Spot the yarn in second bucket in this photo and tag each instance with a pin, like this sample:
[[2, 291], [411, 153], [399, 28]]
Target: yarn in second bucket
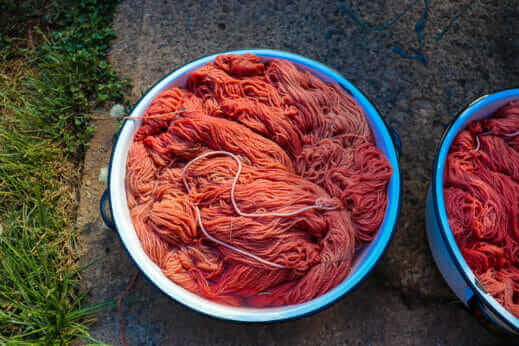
[[481, 192]]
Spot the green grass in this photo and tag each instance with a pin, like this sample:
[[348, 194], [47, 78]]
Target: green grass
[[48, 86]]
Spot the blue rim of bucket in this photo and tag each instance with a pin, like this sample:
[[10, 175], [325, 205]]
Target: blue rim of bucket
[[390, 220], [439, 204]]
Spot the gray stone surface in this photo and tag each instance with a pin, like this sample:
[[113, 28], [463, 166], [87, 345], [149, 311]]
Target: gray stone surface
[[405, 301]]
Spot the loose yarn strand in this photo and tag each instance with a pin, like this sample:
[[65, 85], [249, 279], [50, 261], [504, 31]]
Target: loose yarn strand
[[513, 134], [418, 28], [155, 116], [320, 204], [243, 252], [119, 304], [454, 20]]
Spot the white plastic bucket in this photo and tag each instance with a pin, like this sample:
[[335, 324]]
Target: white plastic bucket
[[446, 253], [386, 140]]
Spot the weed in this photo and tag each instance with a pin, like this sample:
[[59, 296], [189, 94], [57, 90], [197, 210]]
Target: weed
[[47, 90]]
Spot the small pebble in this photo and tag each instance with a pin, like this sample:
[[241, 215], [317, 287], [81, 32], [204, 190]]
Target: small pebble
[[103, 175], [117, 111]]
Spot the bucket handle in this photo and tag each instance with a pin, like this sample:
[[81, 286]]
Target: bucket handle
[[103, 206], [396, 140]]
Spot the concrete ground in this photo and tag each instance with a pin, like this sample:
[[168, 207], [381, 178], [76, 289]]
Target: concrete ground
[[405, 301]]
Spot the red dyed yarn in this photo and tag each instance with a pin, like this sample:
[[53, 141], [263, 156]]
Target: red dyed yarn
[[119, 305], [299, 139], [482, 200]]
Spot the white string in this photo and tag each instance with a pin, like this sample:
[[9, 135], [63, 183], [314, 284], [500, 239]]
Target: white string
[[511, 134], [243, 252], [491, 133], [320, 203]]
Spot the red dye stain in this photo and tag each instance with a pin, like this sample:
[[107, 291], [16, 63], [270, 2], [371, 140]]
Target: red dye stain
[[299, 141]]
